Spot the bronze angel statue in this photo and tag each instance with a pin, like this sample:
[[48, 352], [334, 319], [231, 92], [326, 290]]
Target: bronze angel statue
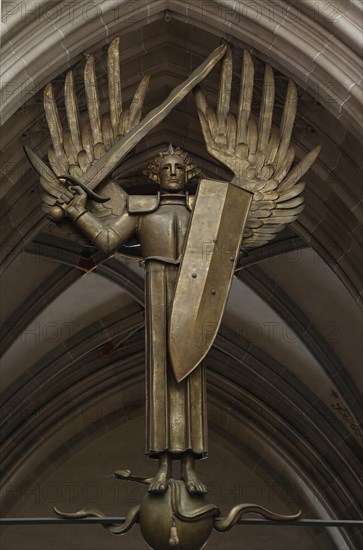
[[185, 287]]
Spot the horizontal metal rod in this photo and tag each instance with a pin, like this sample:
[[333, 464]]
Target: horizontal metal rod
[[118, 520]]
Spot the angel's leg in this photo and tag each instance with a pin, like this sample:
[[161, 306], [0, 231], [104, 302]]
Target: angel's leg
[[189, 475], [160, 482]]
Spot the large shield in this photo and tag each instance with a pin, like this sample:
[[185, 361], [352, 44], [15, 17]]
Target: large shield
[[206, 272]]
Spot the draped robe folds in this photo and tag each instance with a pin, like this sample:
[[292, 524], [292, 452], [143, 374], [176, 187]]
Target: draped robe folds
[[175, 412]]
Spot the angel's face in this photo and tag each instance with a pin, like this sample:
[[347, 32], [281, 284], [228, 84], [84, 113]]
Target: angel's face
[[172, 174]]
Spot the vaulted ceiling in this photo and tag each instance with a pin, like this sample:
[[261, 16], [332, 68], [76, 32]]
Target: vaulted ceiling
[[285, 372]]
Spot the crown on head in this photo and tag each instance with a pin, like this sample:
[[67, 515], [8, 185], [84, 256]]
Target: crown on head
[[153, 170]]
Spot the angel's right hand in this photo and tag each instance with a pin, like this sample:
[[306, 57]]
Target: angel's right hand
[[75, 197]]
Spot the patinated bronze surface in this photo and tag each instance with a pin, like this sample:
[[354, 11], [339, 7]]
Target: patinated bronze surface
[[206, 272], [176, 411], [176, 519], [189, 247]]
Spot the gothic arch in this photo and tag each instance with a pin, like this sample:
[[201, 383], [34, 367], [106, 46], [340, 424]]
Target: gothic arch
[[289, 345]]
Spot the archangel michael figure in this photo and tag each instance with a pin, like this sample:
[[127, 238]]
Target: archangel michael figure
[[263, 197]]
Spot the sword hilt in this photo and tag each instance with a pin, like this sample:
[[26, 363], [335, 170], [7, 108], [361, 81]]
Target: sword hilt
[[91, 194]]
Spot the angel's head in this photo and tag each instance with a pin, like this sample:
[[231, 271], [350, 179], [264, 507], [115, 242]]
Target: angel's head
[[171, 169]]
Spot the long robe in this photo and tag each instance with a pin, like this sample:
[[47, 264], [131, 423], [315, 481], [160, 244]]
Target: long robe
[[176, 413]]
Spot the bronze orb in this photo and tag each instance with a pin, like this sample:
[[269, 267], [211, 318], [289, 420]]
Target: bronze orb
[[176, 519], [56, 213]]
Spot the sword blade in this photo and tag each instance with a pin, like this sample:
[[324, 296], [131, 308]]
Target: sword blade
[[105, 165]]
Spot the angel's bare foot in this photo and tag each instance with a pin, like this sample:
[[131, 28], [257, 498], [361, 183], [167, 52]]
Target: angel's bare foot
[[189, 475], [160, 482]]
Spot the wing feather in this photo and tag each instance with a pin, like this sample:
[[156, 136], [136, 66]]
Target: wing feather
[[267, 107], [93, 103], [290, 203], [212, 121], [264, 204], [290, 193], [287, 122], [69, 148], [87, 141], [231, 132], [254, 223], [292, 211], [124, 123], [99, 150], [245, 98], [285, 165], [300, 169], [114, 85], [53, 161], [107, 131], [252, 138], [270, 185], [224, 97], [55, 127], [83, 160], [137, 102], [273, 145], [75, 171], [72, 111]]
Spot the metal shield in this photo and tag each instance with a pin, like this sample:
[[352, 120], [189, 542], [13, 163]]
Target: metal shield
[[206, 272]]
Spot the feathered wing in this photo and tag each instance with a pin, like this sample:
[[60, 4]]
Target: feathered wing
[[75, 149], [277, 204], [259, 155]]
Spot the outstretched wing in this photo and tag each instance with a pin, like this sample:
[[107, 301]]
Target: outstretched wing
[[259, 155], [75, 149]]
